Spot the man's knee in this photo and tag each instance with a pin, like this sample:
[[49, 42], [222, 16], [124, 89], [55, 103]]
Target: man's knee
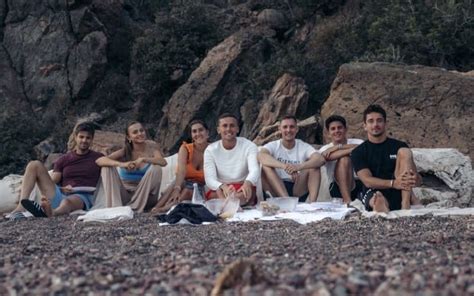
[[345, 161], [34, 165], [404, 153]]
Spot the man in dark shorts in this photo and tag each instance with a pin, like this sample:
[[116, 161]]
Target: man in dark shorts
[[341, 179], [290, 166], [385, 166], [76, 174]]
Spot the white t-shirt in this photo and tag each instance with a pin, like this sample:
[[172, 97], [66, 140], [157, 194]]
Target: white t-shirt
[[331, 165], [231, 166], [301, 152]]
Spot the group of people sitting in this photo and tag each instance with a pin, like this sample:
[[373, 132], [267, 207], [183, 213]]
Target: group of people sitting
[[379, 171]]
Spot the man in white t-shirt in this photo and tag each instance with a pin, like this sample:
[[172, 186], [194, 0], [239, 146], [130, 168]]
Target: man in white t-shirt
[[341, 178], [290, 167], [230, 165]]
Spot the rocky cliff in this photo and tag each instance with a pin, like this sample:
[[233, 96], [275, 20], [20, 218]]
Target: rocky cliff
[[165, 62]]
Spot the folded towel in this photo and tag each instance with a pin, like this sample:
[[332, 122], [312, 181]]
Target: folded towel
[[108, 214]]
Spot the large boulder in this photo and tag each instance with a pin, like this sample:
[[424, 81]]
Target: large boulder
[[447, 175], [426, 107], [289, 96]]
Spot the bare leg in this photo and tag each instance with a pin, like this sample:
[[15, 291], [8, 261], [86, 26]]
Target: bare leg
[[165, 196], [186, 194], [308, 181], [404, 164], [379, 203], [272, 182], [35, 173], [344, 178], [314, 180], [70, 204]]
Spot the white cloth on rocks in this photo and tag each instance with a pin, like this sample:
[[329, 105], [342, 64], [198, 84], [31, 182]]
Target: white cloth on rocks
[[417, 210], [108, 214]]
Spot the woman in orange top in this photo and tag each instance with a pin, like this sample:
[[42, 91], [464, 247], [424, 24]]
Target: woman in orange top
[[190, 168]]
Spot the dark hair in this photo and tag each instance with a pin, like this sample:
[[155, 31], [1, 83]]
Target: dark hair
[[85, 127], [227, 114], [333, 118], [189, 137], [197, 121], [288, 116], [377, 109], [128, 145]]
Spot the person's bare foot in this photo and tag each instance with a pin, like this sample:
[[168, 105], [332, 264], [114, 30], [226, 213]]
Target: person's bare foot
[[46, 205], [380, 204]]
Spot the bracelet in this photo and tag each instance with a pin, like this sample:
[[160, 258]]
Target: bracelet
[[177, 187], [339, 146], [391, 183]]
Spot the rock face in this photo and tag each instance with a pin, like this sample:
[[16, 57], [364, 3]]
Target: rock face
[[426, 107], [289, 96], [53, 60], [198, 93]]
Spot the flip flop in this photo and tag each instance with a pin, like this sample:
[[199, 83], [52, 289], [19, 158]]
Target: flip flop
[[34, 208]]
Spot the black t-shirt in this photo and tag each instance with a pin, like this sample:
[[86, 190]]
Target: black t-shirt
[[381, 160]]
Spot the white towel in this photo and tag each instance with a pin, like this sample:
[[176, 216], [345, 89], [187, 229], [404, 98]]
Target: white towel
[[108, 214], [414, 211]]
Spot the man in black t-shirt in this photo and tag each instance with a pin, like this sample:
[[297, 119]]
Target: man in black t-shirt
[[385, 166]]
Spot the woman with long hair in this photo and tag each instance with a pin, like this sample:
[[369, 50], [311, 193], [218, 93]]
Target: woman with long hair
[[137, 180], [189, 170]]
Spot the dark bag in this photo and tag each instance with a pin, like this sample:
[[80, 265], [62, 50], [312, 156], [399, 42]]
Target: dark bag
[[194, 213]]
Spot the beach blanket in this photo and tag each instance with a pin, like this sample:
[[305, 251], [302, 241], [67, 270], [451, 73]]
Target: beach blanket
[[414, 211], [303, 214]]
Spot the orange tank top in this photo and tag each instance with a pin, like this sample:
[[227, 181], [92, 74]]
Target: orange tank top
[[192, 174]]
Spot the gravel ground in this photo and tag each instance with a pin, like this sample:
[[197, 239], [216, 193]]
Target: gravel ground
[[420, 255]]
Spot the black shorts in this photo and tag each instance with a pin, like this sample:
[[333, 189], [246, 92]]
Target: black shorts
[[289, 187], [393, 196], [335, 192]]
